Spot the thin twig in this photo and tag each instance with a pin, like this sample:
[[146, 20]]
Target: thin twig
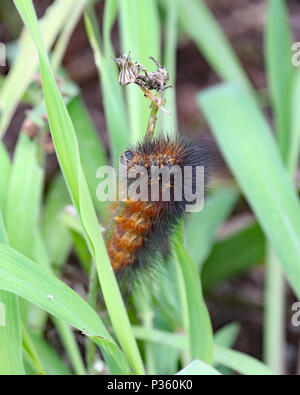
[[152, 122]]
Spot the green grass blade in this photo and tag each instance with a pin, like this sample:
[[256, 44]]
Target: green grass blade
[[278, 55], [53, 207], [5, 167], [198, 321], [65, 332], [198, 368], [239, 362], [24, 197], [114, 105], [201, 229], [91, 149], [67, 150], [20, 77], [198, 22], [34, 283], [11, 358], [51, 361], [234, 255], [294, 145], [56, 235], [64, 38], [109, 16], [227, 335], [274, 314], [177, 341], [234, 360], [30, 353], [70, 344], [280, 74], [169, 123], [256, 163], [140, 35]]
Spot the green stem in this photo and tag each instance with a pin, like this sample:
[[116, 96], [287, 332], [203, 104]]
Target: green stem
[[70, 345], [198, 321], [30, 352], [274, 334], [64, 38], [185, 355], [152, 121], [92, 300]]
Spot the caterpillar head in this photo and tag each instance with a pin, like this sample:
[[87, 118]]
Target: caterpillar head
[[127, 157]]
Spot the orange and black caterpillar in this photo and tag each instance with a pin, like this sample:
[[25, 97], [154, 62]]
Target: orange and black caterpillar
[[143, 229]]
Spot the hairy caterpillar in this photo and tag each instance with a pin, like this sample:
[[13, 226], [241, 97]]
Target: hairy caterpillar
[[143, 227]]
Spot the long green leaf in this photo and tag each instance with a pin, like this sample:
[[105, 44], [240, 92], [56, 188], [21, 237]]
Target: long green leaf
[[235, 360], [109, 16], [226, 336], [200, 25], [294, 145], [91, 149], [58, 251], [169, 123], [30, 353], [239, 362], [50, 359], [252, 155], [64, 38], [198, 321], [67, 150], [280, 75], [55, 233], [20, 77], [274, 314], [11, 359], [279, 69], [71, 346], [234, 255], [201, 229], [200, 368], [5, 167], [23, 277], [114, 105], [24, 197], [140, 35]]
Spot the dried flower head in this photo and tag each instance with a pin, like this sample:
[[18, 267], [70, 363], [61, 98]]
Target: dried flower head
[[135, 73], [155, 80], [128, 70]]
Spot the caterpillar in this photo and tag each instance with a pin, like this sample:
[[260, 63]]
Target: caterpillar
[[143, 228]]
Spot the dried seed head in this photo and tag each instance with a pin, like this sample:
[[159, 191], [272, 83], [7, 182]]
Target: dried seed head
[[131, 73], [128, 70]]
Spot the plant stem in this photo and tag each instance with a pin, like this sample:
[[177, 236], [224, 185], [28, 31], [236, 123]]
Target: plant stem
[[91, 347], [274, 336], [71, 346], [152, 121]]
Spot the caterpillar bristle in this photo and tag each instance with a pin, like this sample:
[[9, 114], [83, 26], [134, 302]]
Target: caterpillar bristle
[[143, 229]]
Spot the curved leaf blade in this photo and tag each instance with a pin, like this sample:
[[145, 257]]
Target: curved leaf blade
[[252, 155], [22, 277]]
